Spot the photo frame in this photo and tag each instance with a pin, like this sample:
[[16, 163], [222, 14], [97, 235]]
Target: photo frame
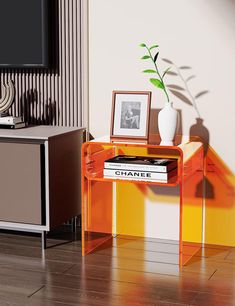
[[130, 115]]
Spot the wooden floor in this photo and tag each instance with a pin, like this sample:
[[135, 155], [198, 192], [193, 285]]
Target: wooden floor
[[131, 272]]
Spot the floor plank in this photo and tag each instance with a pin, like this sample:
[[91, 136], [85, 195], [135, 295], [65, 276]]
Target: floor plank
[[208, 299]]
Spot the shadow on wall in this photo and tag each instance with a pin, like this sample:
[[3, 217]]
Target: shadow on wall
[[220, 201], [35, 112], [219, 180], [183, 92], [218, 185]]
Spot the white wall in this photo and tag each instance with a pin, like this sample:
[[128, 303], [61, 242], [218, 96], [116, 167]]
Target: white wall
[[197, 33]]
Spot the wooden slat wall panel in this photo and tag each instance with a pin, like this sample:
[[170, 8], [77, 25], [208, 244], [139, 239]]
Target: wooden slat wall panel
[[53, 97]]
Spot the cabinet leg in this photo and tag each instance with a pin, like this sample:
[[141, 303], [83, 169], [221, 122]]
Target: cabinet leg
[[44, 240]]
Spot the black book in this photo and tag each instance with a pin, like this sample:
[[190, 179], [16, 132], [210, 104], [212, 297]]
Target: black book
[[141, 163], [13, 126]]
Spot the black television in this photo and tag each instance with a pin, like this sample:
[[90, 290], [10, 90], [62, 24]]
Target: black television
[[24, 34]]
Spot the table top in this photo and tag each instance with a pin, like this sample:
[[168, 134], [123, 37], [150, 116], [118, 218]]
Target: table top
[[42, 132], [185, 144], [154, 139]]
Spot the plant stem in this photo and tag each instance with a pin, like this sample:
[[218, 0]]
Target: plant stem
[[161, 79]]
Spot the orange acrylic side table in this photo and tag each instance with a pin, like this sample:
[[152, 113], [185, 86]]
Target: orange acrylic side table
[[99, 193]]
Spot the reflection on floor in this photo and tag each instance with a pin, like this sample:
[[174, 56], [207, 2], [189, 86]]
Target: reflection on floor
[[133, 271]]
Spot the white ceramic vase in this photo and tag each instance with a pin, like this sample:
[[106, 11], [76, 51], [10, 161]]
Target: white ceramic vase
[[167, 123]]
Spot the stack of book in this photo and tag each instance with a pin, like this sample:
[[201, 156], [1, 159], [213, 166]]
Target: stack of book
[[141, 168], [10, 122]]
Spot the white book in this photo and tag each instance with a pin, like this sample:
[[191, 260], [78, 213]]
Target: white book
[[139, 175], [10, 120]]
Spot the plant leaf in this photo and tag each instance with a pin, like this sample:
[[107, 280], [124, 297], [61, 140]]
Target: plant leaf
[[165, 72], [167, 61], [155, 57], [152, 47], [157, 83], [202, 93], [173, 86], [185, 67], [171, 73], [181, 97], [150, 71], [145, 57], [142, 45]]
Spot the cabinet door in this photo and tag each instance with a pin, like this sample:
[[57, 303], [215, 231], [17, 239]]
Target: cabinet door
[[21, 182]]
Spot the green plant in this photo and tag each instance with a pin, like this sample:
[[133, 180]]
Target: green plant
[[159, 81]]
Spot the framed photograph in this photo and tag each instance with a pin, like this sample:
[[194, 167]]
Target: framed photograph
[[130, 114]]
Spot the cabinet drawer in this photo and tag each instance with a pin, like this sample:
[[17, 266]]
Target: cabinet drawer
[[22, 192]]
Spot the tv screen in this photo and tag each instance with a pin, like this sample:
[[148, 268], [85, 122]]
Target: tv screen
[[24, 34]]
